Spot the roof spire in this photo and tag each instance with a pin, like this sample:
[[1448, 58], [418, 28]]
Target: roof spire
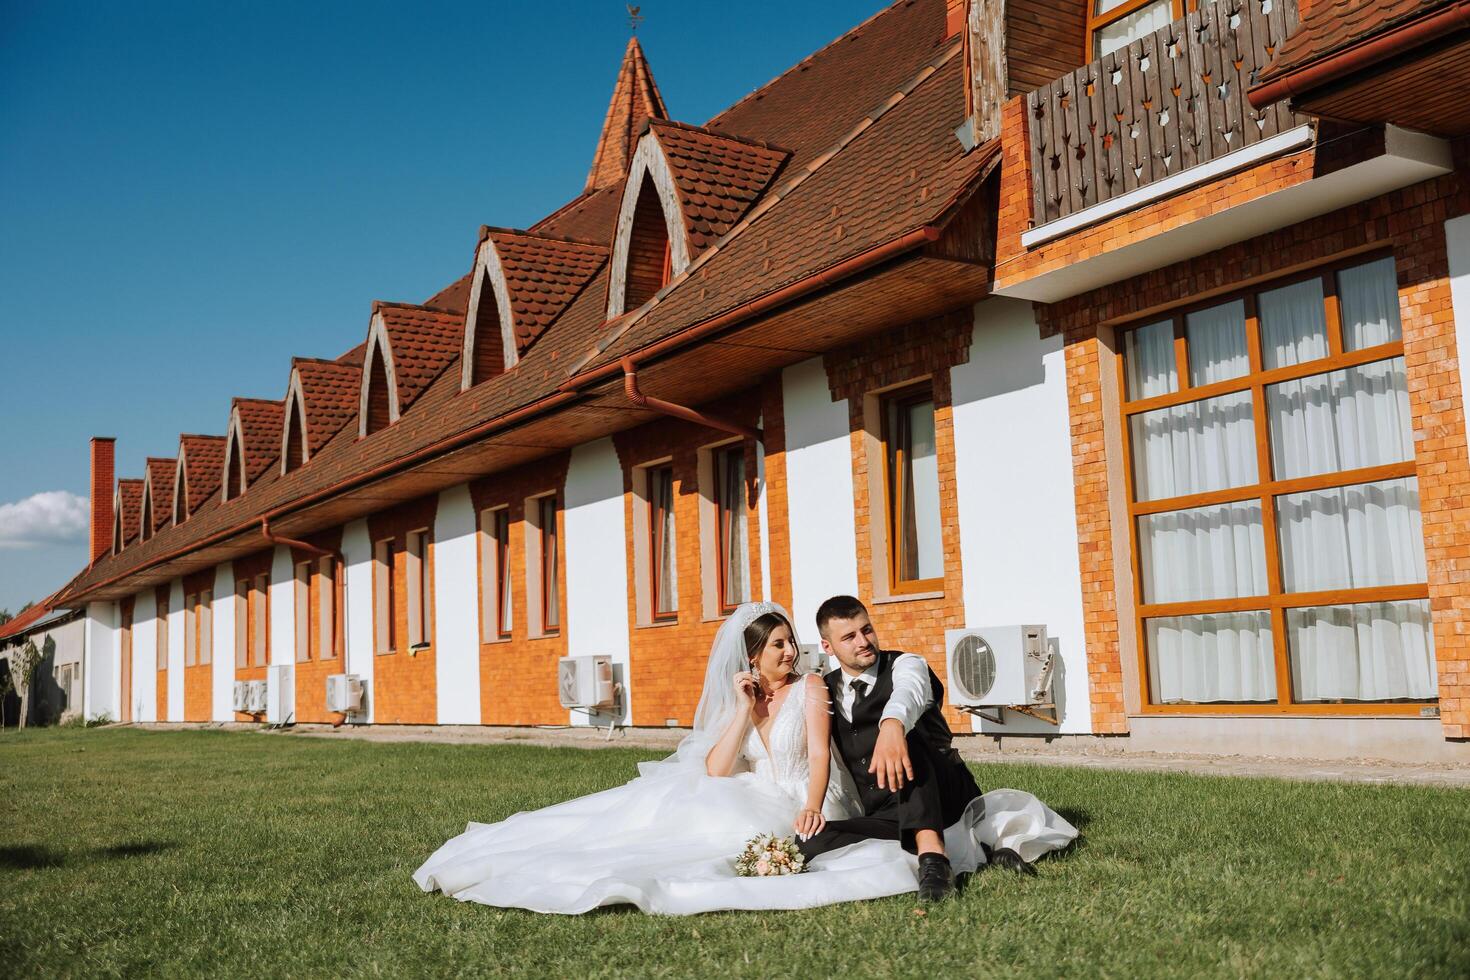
[[635, 100]]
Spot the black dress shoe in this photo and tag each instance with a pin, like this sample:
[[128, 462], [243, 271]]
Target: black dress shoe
[[936, 878], [1004, 857]]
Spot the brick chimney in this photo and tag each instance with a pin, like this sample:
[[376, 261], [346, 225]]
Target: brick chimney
[[102, 471]]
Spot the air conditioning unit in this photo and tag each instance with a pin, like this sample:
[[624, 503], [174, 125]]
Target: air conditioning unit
[[585, 682], [280, 706], [811, 659], [998, 666], [344, 692], [255, 701], [241, 699]]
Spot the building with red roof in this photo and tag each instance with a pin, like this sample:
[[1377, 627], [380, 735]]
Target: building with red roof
[[1108, 318]]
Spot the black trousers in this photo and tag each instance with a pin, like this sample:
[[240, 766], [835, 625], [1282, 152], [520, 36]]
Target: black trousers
[[935, 798]]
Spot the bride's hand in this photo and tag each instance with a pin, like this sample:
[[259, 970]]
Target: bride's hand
[[745, 688], [809, 823]]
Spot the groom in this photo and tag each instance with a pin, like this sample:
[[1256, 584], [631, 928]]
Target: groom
[[897, 746]]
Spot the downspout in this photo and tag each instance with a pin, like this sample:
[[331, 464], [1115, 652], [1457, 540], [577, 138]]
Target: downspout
[[1454, 17], [639, 399], [310, 549]]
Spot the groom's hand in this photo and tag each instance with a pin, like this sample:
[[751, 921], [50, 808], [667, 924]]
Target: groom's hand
[[891, 756]]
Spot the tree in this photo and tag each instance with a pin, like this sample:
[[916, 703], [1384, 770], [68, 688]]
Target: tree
[[23, 664], [6, 686], [5, 616]]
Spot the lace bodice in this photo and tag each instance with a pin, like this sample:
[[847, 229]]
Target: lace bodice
[[786, 763]]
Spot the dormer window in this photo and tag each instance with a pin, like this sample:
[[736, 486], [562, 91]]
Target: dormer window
[[648, 249], [376, 411], [234, 461], [321, 399], [293, 454], [181, 491], [1115, 24], [145, 525], [486, 334], [253, 436]]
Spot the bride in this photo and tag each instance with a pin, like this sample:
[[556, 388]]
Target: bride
[[758, 761]]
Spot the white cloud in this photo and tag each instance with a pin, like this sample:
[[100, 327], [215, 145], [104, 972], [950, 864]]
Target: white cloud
[[51, 517]]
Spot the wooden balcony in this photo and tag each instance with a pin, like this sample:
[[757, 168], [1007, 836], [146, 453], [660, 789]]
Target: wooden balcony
[[1166, 104]]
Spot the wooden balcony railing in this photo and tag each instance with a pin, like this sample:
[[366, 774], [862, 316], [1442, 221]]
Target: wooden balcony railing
[[1169, 101]]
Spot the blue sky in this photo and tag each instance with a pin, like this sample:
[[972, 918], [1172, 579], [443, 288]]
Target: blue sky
[[191, 193]]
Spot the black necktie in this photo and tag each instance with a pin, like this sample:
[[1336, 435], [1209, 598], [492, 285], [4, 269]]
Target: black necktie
[[859, 691]]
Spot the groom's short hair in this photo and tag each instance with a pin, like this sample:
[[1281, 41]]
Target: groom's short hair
[[838, 607]]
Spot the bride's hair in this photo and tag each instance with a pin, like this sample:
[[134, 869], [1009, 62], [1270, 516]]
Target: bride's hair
[[759, 631]]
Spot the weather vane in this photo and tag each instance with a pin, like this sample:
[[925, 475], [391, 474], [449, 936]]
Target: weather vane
[[634, 17]]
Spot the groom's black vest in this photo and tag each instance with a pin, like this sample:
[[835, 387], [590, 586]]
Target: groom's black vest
[[856, 738]]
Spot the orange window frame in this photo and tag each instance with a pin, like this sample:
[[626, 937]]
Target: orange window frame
[[550, 605], [1265, 491], [894, 461], [658, 477], [501, 530], [724, 522], [1097, 21]]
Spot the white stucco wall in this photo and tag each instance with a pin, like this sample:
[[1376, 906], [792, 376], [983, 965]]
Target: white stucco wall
[[818, 494], [222, 648], [357, 555], [596, 560], [145, 657], [456, 609], [175, 706], [282, 629], [101, 673], [1017, 510], [1457, 242]]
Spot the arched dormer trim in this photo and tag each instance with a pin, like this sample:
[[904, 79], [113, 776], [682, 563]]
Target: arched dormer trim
[[650, 182], [378, 405], [489, 313], [145, 512], [235, 481], [180, 505], [295, 450]]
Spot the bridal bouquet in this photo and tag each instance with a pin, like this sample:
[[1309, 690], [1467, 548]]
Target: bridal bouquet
[[766, 855]]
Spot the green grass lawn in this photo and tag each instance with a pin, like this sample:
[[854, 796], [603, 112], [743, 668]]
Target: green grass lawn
[[127, 852]]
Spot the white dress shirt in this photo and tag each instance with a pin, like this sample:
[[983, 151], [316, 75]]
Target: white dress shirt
[[911, 695]]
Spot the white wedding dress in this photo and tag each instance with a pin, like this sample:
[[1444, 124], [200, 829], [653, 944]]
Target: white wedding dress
[[667, 841]]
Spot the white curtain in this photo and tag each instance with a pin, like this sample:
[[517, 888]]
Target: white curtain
[[1369, 299], [1216, 657], [1215, 339], [1214, 552], [1122, 32], [1341, 420], [1293, 327], [1355, 537], [1375, 651], [1194, 448], [923, 460], [1149, 362]]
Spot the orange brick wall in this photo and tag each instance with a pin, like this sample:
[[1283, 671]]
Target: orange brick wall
[[908, 353], [311, 675], [518, 675], [1411, 222], [405, 690], [198, 696], [246, 569], [668, 659]]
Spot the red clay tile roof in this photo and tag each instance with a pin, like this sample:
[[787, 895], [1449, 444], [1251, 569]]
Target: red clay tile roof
[[1329, 26], [260, 425], [203, 459], [129, 504], [161, 489], [867, 182], [423, 341], [635, 100], [542, 277], [330, 391], [718, 177], [22, 620]]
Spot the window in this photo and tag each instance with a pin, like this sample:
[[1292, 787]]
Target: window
[[145, 527], [181, 495], [191, 634], [648, 249], [550, 599], [1278, 546], [242, 624], [234, 468], [1114, 24], [301, 605], [378, 412], [420, 585], [205, 621], [328, 608], [495, 613], [732, 559], [384, 631], [161, 651], [295, 442], [663, 556], [260, 619], [911, 480]]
